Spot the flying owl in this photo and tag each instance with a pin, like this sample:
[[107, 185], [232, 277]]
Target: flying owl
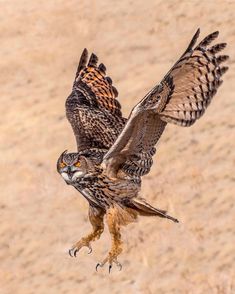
[[113, 152]]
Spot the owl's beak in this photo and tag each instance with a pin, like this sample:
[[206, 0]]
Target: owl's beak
[[70, 173]]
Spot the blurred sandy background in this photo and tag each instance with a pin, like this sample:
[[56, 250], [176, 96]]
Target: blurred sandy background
[[193, 176]]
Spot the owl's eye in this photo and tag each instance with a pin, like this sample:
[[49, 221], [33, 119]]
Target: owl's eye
[[77, 164], [62, 164]]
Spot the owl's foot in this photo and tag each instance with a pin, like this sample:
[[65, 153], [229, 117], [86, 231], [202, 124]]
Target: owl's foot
[[96, 218], [110, 259], [76, 247], [116, 248]]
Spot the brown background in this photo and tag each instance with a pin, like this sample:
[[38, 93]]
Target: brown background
[[193, 176]]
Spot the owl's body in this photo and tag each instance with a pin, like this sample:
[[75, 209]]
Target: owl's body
[[115, 152], [103, 193]]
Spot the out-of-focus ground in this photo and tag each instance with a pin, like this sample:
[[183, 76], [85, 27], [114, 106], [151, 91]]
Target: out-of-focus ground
[[193, 176]]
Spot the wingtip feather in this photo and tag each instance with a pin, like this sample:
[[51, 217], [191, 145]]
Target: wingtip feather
[[82, 62], [93, 60], [197, 32], [207, 40]]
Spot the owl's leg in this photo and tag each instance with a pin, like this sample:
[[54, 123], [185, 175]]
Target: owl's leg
[[116, 248], [96, 217]]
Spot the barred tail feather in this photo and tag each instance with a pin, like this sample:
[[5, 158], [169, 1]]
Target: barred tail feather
[[146, 209]]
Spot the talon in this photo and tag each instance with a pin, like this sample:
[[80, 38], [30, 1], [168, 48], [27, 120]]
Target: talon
[[70, 252], [75, 253], [110, 266], [90, 249], [96, 268], [119, 265]]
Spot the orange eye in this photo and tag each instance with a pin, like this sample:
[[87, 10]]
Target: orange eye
[[62, 164], [78, 164]]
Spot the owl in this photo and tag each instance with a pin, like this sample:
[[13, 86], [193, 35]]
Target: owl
[[113, 152]]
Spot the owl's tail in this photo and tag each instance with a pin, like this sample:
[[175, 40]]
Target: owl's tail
[[144, 208]]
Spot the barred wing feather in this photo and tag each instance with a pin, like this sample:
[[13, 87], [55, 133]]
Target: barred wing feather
[[181, 98], [92, 108]]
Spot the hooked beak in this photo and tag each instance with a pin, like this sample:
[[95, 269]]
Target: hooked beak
[[70, 173]]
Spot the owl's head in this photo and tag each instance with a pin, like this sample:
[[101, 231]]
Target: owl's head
[[72, 167]]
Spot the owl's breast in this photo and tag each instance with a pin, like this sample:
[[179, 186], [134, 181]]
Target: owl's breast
[[104, 192]]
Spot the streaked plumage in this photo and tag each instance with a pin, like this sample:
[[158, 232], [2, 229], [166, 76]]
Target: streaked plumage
[[115, 152]]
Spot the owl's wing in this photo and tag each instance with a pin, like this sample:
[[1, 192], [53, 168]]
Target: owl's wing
[[181, 98], [92, 108]]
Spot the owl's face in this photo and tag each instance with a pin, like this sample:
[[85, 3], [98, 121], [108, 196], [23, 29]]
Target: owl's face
[[71, 167]]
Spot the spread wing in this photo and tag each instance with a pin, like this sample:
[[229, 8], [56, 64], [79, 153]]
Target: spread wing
[[181, 98], [92, 108]]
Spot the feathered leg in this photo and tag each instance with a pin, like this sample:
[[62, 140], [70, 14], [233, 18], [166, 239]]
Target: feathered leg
[[116, 247], [96, 217]]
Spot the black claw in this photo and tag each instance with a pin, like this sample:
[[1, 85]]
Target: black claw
[[75, 253], [96, 268], [110, 266], [70, 252]]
